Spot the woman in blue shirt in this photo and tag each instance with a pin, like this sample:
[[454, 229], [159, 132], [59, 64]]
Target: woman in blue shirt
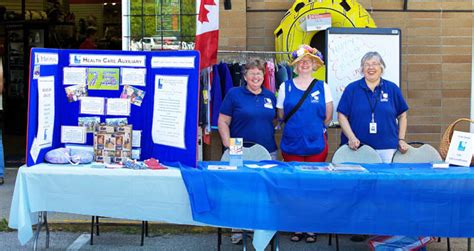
[[303, 137], [369, 109], [249, 111]]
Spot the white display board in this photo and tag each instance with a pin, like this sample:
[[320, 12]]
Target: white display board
[[346, 47]]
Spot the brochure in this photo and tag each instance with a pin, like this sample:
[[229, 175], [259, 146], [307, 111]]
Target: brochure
[[460, 149], [346, 167], [265, 166], [221, 167], [236, 146], [439, 164], [313, 168]]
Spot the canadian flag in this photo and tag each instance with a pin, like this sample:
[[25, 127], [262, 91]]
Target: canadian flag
[[207, 31]]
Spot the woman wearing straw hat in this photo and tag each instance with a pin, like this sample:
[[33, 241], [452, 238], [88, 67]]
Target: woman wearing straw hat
[[305, 106]]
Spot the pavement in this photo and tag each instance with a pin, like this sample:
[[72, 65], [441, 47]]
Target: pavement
[[70, 232]]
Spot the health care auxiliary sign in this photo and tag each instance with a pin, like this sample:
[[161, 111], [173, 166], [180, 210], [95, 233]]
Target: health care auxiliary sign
[[169, 80]]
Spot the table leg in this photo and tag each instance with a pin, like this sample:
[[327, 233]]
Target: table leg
[[275, 242], [146, 228], [45, 220], [143, 233], [42, 221], [92, 231], [219, 238]]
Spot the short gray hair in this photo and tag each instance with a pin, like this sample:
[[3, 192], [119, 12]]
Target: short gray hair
[[369, 55], [254, 63]]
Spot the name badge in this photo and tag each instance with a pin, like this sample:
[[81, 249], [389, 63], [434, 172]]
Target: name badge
[[268, 103], [315, 97], [384, 97], [373, 128]]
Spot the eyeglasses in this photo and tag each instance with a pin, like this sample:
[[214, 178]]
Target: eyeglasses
[[305, 61], [374, 65], [254, 74]]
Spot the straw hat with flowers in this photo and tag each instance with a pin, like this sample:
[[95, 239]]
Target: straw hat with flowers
[[304, 50]]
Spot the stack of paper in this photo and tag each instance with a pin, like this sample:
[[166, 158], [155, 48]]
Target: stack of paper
[[439, 164], [313, 168], [347, 167], [221, 167]]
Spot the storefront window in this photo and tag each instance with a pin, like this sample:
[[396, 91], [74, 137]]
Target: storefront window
[[161, 24]]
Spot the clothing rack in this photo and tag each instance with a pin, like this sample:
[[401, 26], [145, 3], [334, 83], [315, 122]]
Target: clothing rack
[[255, 52], [277, 56]]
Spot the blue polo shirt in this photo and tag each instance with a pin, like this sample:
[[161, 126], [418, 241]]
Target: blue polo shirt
[[388, 102], [252, 116]]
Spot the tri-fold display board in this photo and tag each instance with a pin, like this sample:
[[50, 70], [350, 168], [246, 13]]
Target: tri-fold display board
[[71, 91]]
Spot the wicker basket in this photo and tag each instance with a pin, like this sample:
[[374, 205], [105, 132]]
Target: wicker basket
[[446, 139]]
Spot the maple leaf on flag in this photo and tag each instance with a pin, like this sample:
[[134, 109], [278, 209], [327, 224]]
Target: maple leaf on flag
[[202, 16]]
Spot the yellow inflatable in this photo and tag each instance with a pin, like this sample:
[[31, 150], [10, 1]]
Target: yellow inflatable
[[289, 34]]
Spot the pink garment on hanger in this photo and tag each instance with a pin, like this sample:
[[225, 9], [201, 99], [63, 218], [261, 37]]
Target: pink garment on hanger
[[270, 68], [266, 79]]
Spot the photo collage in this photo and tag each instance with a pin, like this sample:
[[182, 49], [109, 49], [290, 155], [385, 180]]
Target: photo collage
[[112, 144]]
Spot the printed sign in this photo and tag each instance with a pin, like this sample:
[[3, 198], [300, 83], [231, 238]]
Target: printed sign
[[103, 79], [460, 150]]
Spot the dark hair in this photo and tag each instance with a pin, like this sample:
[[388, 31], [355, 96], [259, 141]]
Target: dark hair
[[254, 63]]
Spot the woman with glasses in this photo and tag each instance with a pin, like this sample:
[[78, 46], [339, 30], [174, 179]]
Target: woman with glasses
[[372, 111], [248, 112], [305, 106]]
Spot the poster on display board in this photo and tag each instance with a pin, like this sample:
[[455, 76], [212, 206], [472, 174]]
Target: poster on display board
[[345, 48], [156, 92]]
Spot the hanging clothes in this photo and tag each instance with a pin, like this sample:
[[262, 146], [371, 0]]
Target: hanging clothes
[[266, 78], [205, 105], [225, 78], [236, 73], [204, 97], [216, 95], [281, 75], [270, 68], [289, 70]]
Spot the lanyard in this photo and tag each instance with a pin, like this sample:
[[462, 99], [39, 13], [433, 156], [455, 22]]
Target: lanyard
[[372, 109]]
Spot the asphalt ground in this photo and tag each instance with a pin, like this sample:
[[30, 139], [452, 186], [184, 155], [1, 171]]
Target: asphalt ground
[[71, 232]]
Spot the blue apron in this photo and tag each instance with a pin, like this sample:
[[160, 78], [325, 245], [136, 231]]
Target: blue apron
[[303, 133]]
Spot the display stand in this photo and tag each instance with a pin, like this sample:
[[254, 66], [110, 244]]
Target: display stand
[[167, 116]]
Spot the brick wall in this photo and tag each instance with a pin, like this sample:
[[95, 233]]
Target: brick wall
[[233, 26], [436, 54]]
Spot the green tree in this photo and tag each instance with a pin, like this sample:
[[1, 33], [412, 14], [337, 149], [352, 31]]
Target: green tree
[[163, 18]]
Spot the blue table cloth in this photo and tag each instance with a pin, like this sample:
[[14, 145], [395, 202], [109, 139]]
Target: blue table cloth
[[389, 199]]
